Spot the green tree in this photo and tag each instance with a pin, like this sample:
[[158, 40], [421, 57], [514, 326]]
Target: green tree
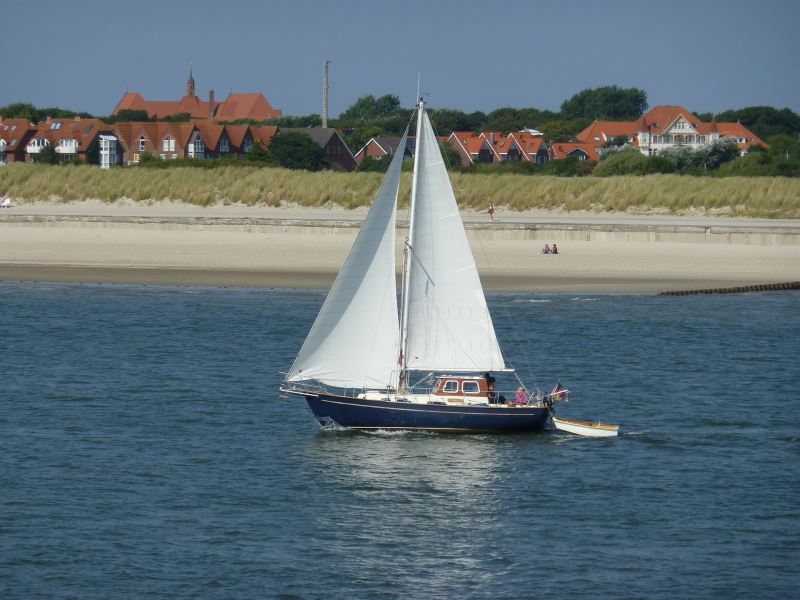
[[764, 121], [632, 163], [18, 110], [448, 120], [374, 165], [452, 159], [47, 155], [128, 115], [785, 145], [361, 136], [179, 118], [293, 150], [93, 152], [609, 102], [258, 154], [369, 109]]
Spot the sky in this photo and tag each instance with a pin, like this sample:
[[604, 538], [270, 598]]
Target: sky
[[706, 55]]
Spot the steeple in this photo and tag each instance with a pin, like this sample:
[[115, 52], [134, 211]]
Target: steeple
[[190, 84]]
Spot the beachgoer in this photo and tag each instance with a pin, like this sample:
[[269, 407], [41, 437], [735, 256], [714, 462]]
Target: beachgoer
[[491, 212], [521, 397], [555, 249], [546, 249]]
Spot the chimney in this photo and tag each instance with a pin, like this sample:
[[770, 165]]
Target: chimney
[[211, 105]]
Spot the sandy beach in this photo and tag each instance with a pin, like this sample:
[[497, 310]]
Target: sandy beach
[[177, 244]]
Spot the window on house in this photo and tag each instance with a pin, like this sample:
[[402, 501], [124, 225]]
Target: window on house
[[142, 144], [169, 144], [223, 145], [55, 125], [135, 158], [248, 143], [163, 156]]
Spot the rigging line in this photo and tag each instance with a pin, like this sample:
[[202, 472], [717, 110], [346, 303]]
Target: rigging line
[[516, 338]]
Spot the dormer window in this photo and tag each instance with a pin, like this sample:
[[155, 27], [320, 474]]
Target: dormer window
[[223, 145], [169, 144], [142, 143]]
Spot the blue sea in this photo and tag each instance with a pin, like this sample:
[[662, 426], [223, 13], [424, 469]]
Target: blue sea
[[145, 452]]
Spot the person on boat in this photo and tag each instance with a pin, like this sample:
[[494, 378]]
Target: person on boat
[[546, 249], [521, 397], [491, 395], [555, 249]]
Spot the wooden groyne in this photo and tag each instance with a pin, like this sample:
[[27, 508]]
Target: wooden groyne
[[763, 287]]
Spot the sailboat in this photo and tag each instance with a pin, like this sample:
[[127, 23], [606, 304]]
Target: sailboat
[[428, 365]]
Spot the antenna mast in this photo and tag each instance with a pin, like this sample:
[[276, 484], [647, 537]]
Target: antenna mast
[[325, 94]]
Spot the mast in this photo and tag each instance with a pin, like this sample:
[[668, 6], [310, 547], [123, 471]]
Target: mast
[[409, 248]]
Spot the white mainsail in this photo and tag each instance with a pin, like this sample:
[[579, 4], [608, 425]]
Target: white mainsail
[[355, 339], [448, 326]]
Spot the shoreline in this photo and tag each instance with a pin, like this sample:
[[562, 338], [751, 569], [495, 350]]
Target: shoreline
[[172, 244]]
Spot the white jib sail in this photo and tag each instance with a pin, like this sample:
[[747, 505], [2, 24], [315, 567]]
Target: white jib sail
[[449, 327], [354, 341]]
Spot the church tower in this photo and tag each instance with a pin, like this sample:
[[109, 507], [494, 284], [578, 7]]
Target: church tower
[[190, 84]]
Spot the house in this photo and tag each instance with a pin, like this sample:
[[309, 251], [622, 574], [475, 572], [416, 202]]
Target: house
[[331, 142], [664, 127], [72, 139], [234, 107], [199, 138], [385, 145], [490, 147], [579, 150], [530, 145], [473, 148], [14, 137]]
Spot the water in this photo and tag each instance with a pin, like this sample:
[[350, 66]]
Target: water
[[146, 453]]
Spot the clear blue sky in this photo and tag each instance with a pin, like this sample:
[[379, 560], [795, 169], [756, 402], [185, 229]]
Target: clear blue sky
[[474, 55]]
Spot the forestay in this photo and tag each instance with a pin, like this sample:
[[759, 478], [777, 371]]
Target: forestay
[[449, 327], [355, 339]]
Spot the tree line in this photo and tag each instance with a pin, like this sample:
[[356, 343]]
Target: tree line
[[369, 116]]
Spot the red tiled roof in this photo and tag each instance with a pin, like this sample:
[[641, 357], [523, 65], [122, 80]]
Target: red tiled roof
[[236, 134], [83, 131], [657, 121], [562, 150], [236, 106], [13, 132], [528, 144], [264, 134]]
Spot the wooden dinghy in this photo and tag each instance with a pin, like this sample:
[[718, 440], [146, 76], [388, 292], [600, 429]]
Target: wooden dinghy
[[586, 428]]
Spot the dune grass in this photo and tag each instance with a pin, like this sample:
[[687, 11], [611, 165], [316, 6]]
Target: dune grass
[[775, 197]]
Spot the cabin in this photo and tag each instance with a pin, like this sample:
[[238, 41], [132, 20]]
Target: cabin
[[465, 389]]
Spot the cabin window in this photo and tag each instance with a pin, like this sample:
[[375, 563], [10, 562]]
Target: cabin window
[[470, 387], [450, 387]]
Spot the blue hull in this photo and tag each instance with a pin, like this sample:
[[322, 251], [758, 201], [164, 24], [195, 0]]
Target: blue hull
[[359, 413]]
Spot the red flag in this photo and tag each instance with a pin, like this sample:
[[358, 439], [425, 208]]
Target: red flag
[[559, 392]]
